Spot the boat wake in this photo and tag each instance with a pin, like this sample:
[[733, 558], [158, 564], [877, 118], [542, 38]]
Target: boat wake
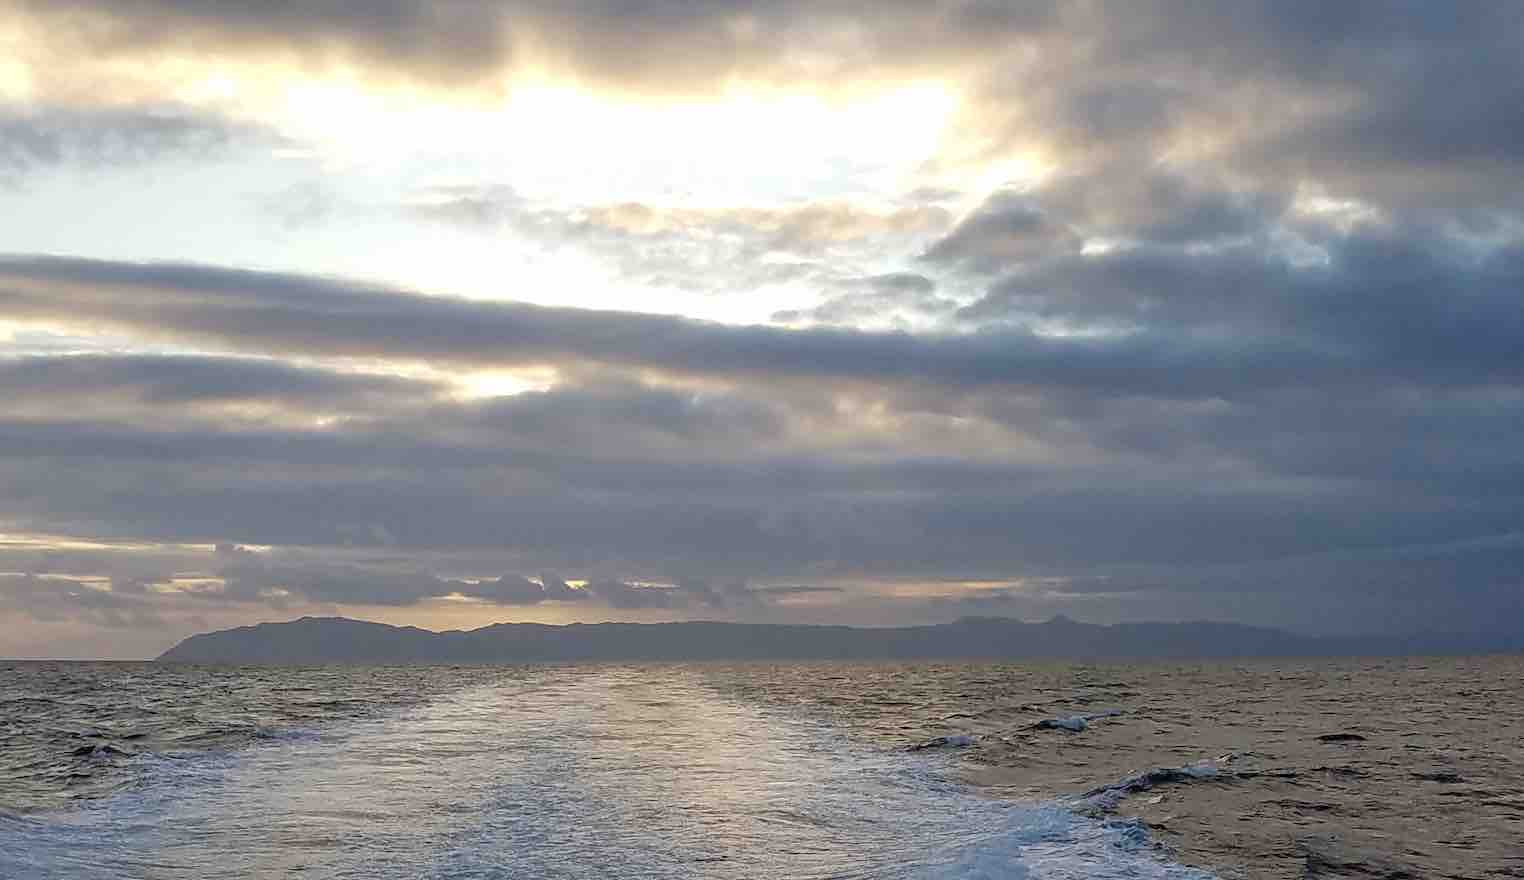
[[575, 772]]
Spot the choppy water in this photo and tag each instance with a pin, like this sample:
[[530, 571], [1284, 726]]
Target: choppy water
[[598, 771]]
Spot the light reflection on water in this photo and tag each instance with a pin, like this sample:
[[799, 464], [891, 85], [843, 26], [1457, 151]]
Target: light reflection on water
[[590, 772]]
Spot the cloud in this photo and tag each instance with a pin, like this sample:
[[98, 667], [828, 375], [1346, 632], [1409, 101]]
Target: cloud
[[616, 416], [554, 588], [1425, 585], [1352, 98], [1189, 311], [269, 578], [650, 45], [618, 594], [445, 41], [896, 298], [136, 380], [517, 590], [295, 315], [43, 138], [51, 599], [1358, 99], [1262, 400], [96, 591], [1403, 304], [1007, 229], [648, 508], [733, 249]]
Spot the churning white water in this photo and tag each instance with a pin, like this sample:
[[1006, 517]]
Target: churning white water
[[580, 772]]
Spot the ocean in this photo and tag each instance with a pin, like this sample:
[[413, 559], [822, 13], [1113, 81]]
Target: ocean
[[647, 771]]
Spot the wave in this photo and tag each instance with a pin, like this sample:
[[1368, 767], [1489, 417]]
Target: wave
[[621, 773]]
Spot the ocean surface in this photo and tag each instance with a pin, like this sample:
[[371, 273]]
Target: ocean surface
[[128, 771], [762, 771]]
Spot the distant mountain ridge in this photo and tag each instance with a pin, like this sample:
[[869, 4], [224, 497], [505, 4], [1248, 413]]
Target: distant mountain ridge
[[320, 640]]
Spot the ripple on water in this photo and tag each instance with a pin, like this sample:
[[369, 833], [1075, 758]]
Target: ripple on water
[[615, 772]]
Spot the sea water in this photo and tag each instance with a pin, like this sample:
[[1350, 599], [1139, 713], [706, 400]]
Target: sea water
[[550, 772]]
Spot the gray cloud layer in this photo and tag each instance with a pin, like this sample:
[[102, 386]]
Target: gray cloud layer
[[1449, 316], [648, 44], [1250, 350], [36, 139], [184, 379], [1408, 101], [1141, 478]]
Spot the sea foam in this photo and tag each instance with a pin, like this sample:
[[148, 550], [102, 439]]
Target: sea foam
[[606, 772]]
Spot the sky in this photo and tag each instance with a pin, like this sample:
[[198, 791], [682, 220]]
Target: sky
[[456, 312]]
